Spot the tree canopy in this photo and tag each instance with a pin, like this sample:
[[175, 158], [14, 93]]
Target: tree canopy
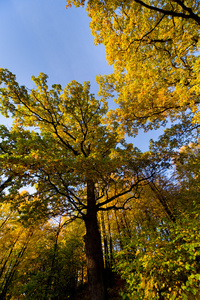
[[68, 146], [153, 47]]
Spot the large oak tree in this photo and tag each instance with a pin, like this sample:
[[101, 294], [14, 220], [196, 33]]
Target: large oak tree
[[74, 161]]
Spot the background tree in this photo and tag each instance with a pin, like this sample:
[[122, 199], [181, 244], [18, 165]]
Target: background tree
[[161, 260], [153, 47], [49, 263]]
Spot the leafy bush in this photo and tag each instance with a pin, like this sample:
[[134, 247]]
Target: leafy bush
[[163, 266]]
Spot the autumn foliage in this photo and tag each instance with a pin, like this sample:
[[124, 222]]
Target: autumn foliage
[[81, 208]]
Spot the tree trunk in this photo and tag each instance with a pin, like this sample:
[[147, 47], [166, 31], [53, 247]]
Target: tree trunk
[[53, 262], [105, 243], [119, 232], [93, 247]]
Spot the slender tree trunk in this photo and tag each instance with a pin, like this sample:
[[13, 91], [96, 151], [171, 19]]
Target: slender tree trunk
[[127, 224], [111, 277], [93, 247], [53, 261], [13, 267], [163, 201], [119, 232], [107, 269], [110, 242], [105, 242]]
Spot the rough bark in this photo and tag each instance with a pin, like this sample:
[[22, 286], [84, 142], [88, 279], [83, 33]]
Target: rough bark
[[93, 247]]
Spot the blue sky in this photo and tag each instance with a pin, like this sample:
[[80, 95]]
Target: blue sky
[[43, 36]]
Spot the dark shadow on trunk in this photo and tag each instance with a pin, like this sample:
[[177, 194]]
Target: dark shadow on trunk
[[94, 255]]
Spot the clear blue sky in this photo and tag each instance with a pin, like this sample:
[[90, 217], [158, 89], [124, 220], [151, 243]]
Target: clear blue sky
[[43, 36]]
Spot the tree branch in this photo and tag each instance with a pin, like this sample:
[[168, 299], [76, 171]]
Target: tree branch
[[191, 15]]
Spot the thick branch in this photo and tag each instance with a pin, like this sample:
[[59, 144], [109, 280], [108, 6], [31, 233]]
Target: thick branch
[[78, 207], [108, 200], [191, 15], [6, 183]]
